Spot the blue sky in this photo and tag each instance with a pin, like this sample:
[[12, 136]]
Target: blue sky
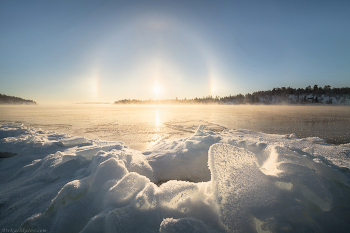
[[79, 51]]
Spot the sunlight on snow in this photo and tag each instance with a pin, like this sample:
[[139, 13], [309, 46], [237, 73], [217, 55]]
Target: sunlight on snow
[[270, 166], [210, 181]]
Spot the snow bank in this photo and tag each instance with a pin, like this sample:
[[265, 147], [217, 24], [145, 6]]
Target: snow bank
[[233, 181]]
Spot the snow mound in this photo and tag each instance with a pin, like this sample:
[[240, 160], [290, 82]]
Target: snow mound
[[232, 181], [182, 159]]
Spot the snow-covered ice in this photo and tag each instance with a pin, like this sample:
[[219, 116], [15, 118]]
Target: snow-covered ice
[[230, 181]]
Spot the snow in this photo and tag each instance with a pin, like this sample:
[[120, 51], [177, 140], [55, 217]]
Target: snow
[[230, 181]]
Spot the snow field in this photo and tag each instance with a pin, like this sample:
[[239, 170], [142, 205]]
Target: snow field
[[232, 181]]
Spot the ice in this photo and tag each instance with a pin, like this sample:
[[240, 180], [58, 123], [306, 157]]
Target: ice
[[240, 188], [72, 141], [230, 181], [89, 151], [185, 225], [182, 159], [199, 131]]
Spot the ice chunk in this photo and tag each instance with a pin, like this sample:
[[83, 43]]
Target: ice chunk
[[184, 225], [199, 131], [314, 140], [182, 159], [72, 141], [240, 188], [89, 151]]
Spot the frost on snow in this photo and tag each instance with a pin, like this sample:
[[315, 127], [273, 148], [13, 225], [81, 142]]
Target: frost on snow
[[233, 181]]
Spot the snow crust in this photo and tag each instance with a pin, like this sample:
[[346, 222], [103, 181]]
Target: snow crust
[[232, 181]]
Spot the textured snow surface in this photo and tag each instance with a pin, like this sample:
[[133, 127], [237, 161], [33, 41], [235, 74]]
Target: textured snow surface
[[232, 181]]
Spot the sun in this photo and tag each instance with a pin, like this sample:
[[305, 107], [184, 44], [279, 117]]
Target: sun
[[157, 89]]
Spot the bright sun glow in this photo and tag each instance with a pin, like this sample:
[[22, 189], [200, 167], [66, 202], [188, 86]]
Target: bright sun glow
[[157, 89]]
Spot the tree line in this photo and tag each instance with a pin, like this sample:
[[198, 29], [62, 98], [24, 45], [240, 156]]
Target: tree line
[[5, 99], [288, 95]]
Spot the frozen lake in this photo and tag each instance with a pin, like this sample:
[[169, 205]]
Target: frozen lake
[[141, 126], [231, 181]]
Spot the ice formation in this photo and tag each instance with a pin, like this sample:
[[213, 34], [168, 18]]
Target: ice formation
[[232, 181]]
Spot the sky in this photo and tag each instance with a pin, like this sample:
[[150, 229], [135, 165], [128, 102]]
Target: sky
[[104, 50]]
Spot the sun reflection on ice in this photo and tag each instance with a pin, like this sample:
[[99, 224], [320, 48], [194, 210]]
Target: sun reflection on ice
[[157, 122], [158, 135]]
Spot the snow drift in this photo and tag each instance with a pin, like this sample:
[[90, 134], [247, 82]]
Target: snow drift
[[233, 181]]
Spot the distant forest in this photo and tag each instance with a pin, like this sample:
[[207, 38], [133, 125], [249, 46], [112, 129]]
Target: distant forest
[[5, 99], [283, 95]]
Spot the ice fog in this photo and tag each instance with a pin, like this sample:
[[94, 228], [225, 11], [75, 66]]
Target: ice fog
[[141, 126]]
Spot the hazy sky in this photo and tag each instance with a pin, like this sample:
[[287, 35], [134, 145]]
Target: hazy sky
[[79, 51]]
